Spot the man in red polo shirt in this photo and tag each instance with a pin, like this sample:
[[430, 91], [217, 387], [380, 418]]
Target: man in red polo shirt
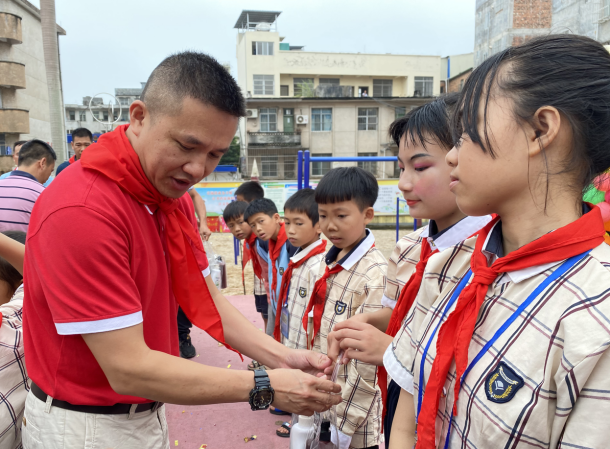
[[101, 347]]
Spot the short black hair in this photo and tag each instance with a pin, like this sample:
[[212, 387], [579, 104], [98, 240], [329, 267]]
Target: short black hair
[[348, 184], [234, 210], [35, 150], [427, 124], [262, 205], [250, 191], [8, 273], [195, 75], [82, 132], [304, 201], [19, 143]]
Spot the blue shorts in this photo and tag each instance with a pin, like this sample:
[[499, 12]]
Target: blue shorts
[[261, 305]]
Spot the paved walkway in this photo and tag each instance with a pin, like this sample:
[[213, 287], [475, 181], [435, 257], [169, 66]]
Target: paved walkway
[[223, 426]]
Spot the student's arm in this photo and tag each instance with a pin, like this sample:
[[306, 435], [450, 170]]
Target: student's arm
[[359, 392], [12, 251], [403, 425], [201, 212], [359, 340]]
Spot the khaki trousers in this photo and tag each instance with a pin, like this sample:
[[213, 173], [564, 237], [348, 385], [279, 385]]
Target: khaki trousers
[[46, 427]]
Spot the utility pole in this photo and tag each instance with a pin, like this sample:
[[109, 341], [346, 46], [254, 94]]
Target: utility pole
[[52, 67]]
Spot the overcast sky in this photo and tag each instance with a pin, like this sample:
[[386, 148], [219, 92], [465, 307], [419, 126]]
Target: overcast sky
[[117, 43]]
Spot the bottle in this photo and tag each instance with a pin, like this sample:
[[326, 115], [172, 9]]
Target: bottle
[[300, 432]]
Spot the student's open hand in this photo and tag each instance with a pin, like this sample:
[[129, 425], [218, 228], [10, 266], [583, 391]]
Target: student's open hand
[[298, 392], [358, 340], [310, 362]]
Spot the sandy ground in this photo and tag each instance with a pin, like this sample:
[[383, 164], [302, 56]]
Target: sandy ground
[[222, 243]]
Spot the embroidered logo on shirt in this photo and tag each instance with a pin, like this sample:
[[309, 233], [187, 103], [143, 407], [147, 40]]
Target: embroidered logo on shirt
[[303, 292], [340, 307], [282, 271], [502, 384]]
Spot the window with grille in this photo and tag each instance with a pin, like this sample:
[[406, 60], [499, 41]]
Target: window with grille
[[268, 118], [269, 166], [106, 115], [72, 115], [125, 116], [262, 48], [284, 91], [423, 86], [369, 166], [320, 168], [289, 167], [263, 84], [124, 101], [82, 116], [400, 112], [321, 119], [3, 149], [303, 87], [367, 119], [382, 88]]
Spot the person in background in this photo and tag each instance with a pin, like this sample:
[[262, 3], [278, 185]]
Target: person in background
[[20, 190], [249, 191], [301, 222], [202, 213], [81, 139], [14, 381], [15, 155]]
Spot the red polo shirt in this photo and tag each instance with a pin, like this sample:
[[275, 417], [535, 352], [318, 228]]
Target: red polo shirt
[[95, 262]]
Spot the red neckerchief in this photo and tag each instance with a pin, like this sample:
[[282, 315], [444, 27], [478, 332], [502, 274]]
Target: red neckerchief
[[275, 249], [286, 277], [456, 333], [250, 249], [115, 158], [72, 160], [403, 305]]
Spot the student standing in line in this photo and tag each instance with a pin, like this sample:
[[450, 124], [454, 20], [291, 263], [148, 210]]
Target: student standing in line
[[513, 351], [423, 137], [302, 226], [351, 281]]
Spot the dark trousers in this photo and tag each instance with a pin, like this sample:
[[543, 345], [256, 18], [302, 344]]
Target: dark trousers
[[393, 395], [184, 325]]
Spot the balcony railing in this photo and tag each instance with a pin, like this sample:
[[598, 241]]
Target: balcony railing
[[274, 139], [12, 75]]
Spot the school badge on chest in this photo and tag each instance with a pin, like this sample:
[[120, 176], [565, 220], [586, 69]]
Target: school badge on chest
[[302, 292], [282, 271], [340, 307], [502, 384]]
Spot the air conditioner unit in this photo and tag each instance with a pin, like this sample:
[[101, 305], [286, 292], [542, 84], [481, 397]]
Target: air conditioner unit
[[302, 119], [251, 113]]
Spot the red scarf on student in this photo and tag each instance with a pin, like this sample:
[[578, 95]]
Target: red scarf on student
[[115, 158], [72, 160], [251, 254], [286, 278], [275, 249], [403, 305], [456, 333]]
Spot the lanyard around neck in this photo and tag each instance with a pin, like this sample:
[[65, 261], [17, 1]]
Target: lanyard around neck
[[569, 263]]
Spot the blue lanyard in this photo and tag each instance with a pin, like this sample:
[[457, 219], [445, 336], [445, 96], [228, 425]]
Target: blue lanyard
[[569, 263]]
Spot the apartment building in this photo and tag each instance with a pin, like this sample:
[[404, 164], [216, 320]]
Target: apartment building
[[338, 104], [24, 95]]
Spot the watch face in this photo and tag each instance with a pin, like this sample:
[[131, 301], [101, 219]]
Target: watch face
[[263, 398]]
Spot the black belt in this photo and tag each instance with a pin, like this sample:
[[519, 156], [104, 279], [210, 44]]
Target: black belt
[[116, 409]]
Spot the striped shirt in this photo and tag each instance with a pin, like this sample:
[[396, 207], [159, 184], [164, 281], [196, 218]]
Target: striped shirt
[[555, 351], [14, 380], [18, 193], [356, 289], [301, 286]]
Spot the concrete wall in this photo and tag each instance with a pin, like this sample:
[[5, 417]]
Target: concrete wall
[[456, 84], [35, 97], [458, 64], [353, 68]]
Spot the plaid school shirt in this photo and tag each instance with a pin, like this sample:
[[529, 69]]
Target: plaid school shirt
[[407, 251], [553, 356], [14, 380], [358, 288], [301, 286]]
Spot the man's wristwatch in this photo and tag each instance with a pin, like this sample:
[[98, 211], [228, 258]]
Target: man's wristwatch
[[262, 394]]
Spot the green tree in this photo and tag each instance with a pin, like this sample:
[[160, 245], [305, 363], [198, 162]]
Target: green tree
[[231, 157]]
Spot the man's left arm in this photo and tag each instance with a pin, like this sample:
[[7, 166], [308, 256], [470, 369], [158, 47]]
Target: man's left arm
[[201, 212]]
